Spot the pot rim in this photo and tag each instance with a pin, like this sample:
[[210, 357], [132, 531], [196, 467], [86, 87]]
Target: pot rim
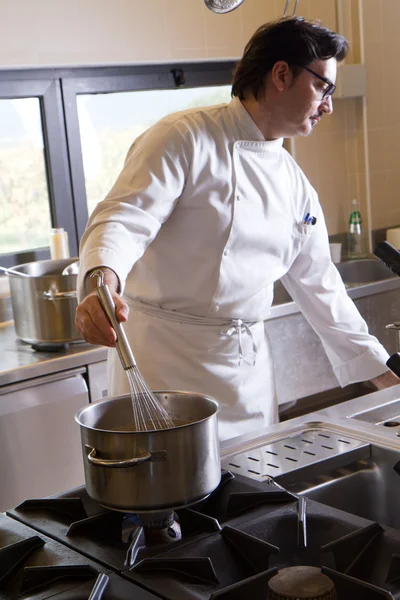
[[67, 261], [152, 431], [72, 341]]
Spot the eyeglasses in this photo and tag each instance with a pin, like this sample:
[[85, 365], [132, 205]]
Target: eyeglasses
[[331, 86]]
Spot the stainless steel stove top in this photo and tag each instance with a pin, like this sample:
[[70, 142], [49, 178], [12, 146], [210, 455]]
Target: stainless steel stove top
[[232, 544], [236, 540]]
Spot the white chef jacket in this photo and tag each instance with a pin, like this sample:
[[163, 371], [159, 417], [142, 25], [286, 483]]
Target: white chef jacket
[[204, 218]]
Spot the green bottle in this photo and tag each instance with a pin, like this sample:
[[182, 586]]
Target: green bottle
[[355, 233]]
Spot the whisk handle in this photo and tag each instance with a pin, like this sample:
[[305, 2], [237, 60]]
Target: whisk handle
[[122, 344]]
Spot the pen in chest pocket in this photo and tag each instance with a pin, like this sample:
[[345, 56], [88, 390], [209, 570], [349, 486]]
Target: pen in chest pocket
[[309, 220]]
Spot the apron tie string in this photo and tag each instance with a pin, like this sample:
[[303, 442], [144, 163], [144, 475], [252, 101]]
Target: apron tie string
[[231, 326], [238, 326]]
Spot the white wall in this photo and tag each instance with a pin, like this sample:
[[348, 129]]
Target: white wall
[[43, 33], [107, 32]]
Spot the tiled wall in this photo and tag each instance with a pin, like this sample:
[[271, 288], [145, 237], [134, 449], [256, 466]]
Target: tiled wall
[[87, 32], [354, 153], [333, 156], [99, 32], [382, 50]]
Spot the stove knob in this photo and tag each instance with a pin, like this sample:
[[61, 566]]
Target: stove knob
[[301, 583]]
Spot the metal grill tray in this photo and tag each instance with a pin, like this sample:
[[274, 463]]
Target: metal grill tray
[[293, 453]]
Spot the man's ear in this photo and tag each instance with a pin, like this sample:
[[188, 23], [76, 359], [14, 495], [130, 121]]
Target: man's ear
[[281, 75]]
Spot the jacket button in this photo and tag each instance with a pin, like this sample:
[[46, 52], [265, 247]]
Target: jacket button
[[216, 308], [226, 252], [237, 197]]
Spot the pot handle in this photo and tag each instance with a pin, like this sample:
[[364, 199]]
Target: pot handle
[[126, 462], [49, 295]]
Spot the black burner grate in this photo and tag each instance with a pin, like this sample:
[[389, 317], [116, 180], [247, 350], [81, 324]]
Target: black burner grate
[[232, 543], [36, 568], [35, 578], [247, 553], [15, 555]]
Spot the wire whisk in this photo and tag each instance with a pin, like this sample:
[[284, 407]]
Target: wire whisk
[[148, 412]]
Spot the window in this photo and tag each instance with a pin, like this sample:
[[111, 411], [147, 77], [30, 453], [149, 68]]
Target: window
[[25, 218], [64, 135], [109, 123], [35, 182]]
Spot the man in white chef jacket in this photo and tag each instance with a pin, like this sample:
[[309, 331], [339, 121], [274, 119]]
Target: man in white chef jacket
[[208, 212]]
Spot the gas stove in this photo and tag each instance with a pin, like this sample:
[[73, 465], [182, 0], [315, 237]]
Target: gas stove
[[35, 566], [246, 539]]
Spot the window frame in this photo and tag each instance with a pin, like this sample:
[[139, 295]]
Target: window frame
[[48, 92], [57, 90]]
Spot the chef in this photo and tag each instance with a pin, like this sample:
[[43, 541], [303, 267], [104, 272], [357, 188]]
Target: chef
[[208, 212]]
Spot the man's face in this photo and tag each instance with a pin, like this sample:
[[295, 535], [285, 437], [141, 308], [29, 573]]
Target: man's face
[[302, 103]]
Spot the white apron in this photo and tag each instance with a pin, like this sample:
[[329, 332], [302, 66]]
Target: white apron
[[227, 360]]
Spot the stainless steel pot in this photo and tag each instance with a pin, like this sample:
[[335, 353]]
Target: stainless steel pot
[[44, 303], [153, 470]]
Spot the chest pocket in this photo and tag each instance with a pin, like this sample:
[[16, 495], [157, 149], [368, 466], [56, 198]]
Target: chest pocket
[[301, 234], [302, 231]]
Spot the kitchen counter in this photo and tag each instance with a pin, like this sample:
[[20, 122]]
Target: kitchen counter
[[20, 362], [284, 306], [295, 343], [377, 301]]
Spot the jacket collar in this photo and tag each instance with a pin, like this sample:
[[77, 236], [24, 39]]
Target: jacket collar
[[249, 128]]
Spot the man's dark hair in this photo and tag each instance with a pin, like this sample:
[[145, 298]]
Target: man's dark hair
[[293, 40]]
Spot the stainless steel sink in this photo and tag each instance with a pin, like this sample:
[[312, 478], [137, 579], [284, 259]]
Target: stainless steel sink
[[354, 273], [368, 487], [364, 271], [356, 474]]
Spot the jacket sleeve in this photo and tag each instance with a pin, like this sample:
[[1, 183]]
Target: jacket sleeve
[[317, 288], [143, 197]]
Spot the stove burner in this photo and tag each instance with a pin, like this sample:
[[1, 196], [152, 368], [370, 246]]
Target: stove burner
[[301, 583], [149, 529], [160, 528]]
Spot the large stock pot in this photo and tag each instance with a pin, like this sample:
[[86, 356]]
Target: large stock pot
[[44, 303], [150, 471]]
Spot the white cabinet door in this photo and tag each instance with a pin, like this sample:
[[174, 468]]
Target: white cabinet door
[[40, 447]]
